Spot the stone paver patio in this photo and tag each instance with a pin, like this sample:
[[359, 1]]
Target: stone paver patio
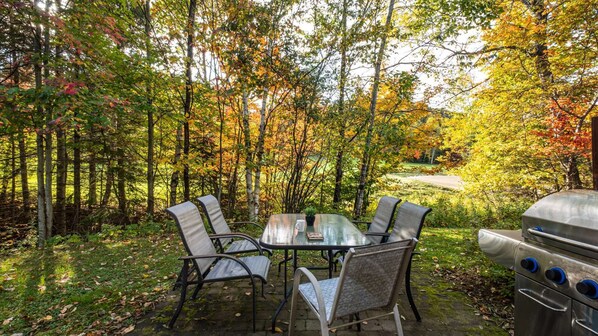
[[225, 309]]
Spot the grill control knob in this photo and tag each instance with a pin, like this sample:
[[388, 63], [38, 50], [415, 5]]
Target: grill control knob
[[556, 275], [530, 264], [588, 288]]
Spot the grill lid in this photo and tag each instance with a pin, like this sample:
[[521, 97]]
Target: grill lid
[[567, 220]]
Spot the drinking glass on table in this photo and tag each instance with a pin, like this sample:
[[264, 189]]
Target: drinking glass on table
[[300, 225]]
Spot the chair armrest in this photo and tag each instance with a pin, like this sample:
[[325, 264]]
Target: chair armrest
[[314, 282], [247, 222], [357, 222], [384, 235], [378, 234], [219, 256], [239, 235]]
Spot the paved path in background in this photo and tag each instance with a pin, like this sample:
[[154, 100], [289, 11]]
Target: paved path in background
[[447, 181]]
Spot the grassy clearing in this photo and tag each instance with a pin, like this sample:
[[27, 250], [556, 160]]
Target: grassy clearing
[[105, 284], [97, 286]]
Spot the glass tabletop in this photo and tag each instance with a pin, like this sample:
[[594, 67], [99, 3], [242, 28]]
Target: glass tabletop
[[337, 232]]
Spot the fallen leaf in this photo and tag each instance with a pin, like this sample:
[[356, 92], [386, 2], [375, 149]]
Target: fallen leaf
[[128, 329], [277, 330], [65, 308], [7, 321]]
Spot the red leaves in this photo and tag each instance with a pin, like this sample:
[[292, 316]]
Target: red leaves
[[563, 133], [70, 89]]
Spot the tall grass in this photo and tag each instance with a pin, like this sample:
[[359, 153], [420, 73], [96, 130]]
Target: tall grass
[[455, 208]]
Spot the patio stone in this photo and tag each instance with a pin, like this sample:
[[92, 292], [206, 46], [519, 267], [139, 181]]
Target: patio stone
[[225, 309]]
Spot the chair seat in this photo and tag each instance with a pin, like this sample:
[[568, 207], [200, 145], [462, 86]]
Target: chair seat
[[229, 269], [243, 246], [328, 287]]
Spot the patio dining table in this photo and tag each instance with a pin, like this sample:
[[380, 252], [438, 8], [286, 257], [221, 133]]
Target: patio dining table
[[338, 233]]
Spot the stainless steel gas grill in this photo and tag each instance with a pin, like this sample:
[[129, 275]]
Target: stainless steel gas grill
[[555, 258]]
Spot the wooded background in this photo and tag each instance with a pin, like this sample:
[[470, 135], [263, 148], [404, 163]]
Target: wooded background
[[112, 110]]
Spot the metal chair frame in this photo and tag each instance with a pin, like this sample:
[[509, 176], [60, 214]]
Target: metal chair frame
[[204, 265]]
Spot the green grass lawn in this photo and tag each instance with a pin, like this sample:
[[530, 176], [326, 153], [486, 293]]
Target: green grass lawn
[[105, 284], [74, 287]]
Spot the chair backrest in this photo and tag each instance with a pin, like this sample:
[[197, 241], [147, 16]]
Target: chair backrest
[[409, 221], [193, 233], [383, 217], [216, 220], [371, 277]]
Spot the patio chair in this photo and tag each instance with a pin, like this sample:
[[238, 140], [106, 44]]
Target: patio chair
[[204, 265], [370, 279], [408, 224], [218, 224], [379, 224]]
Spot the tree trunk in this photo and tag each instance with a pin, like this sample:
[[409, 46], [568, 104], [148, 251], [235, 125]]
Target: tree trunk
[[188, 94], [77, 179], [42, 234], [572, 178], [543, 68], [259, 153], [24, 176], [338, 176], [48, 149], [13, 169], [61, 175], [121, 187], [77, 171], [174, 179], [108, 188], [233, 182], [92, 197], [150, 116], [365, 162], [248, 157], [61, 161]]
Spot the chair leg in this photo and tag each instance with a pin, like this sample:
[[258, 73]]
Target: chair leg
[[397, 317], [177, 283], [183, 276], [293, 312], [253, 301], [409, 295], [196, 291]]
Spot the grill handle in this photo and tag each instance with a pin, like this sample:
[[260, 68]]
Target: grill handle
[[579, 323], [563, 240], [525, 291]]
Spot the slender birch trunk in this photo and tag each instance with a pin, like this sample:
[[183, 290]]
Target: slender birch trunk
[[338, 177], [365, 162]]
